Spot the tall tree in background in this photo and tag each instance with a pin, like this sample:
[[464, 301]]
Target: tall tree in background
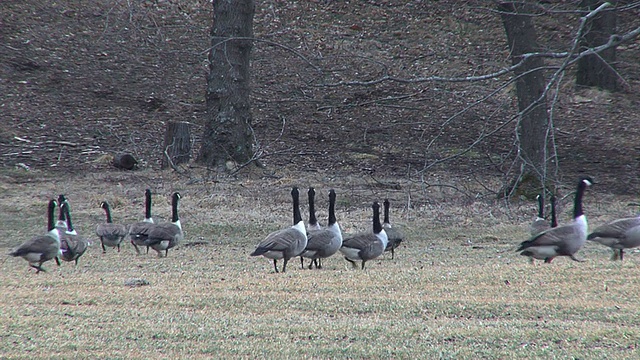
[[227, 133], [533, 123], [599, 69]]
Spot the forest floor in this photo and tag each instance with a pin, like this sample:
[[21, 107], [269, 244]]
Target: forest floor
[[83, 81]]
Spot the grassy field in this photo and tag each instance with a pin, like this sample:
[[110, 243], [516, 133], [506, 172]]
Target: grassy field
[[455, 290]]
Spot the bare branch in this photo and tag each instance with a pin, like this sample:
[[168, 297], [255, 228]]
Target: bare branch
[[272, 43]]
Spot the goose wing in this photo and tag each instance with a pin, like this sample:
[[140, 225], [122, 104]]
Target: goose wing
[[319, 240], [614, 229], [72, 248], [163, 232], [111, 231], [140, 230], [359, 241], [280, 240], [393, 234], [43, 244], [539, 225], [551, 237]]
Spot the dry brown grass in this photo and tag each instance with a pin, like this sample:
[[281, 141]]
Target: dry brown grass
[[455, 290]]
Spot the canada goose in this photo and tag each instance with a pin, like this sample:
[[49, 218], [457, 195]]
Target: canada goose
[[368, 245], [72, 246], [42, 248], [618, 234], [563, 240], [394, 235], [110, 234], [286, 243], [540, 224], [313, 224], [165, 236], [140, 231], [326, 242]]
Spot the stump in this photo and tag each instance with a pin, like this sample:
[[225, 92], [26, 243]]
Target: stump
[[177, 144], [125, 161]]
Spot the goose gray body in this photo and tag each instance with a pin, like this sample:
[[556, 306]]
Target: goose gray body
[[72, 246], [139, 232], [165, 236], [110, 234], [563, 240], [43, 248], [394, 235], [368, 245], [323, 243], [619, 234], [539, 224], [286, 243]]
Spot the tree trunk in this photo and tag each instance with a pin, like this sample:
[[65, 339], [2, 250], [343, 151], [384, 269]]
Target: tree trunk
[[228, 134], [177, 144], [598, 69], [533, 122]]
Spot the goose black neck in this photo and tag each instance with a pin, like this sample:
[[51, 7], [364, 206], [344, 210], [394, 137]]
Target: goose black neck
[[377, 226], [554, 220], [386, 211], [332, 207], [174, 207], [69, 223], [61, 199], [147, 204], [577, 203], [540, 206], [107, 210], [51, 214], [295, 195], [61, 215], [312, 207]]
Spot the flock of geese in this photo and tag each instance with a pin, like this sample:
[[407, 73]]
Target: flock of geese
[[549, 241], [314, 242], [63, 242]]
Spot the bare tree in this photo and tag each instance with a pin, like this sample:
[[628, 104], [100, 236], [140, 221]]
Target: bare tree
[[599, 69], [228, 135], [533, 126], [538, 73]]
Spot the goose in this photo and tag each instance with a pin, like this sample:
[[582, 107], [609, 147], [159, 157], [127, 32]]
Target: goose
[[41, 249], [563, 240], [368, 245], [539, 224], [618, 234], [110, 234], [394, 235], [286, 243], [544, 226], [165, 236], [140, 231], [72, 246], [313, 224], [326, 242]]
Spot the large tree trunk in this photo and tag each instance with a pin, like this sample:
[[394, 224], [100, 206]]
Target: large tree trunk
[[598, 69], [533, 124], [227, 133]]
